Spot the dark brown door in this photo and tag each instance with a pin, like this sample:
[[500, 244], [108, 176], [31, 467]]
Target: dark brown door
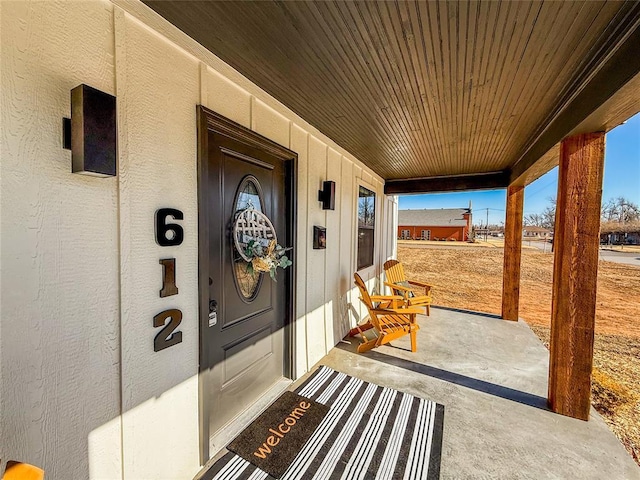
[[244, 344]]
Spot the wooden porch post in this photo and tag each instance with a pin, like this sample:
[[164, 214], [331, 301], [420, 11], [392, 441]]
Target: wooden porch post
[[575, 269], [512, 252]]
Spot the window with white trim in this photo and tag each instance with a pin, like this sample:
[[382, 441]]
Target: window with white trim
[[366, 226]]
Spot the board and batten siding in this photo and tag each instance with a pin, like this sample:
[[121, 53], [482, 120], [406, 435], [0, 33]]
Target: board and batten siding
[[82, 392]]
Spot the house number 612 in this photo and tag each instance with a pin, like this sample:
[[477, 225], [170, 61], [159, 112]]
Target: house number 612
[[168, 234]]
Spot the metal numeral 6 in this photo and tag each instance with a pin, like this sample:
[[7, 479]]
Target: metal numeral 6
[[168, 234]]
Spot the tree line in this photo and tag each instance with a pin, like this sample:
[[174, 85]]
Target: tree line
[[616, 215]]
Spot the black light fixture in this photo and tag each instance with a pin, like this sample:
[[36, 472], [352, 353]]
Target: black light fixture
[[328, 195], [91, 133]]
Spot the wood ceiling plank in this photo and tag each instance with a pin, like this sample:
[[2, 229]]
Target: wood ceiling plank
[[484, 19], [384, 127], [445, 14], [410, 21], [389, 66], [530, 86], [312, 27], [336, 95], [527, 17], [392, 64], [433, 54], [398, 98], [416, 89], [504, 67], [397, 31], [242, 48], [494, 19], [552, 72], [527, 58], [468, 11]]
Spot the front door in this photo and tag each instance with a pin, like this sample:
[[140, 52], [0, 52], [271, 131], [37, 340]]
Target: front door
[[244, 318]]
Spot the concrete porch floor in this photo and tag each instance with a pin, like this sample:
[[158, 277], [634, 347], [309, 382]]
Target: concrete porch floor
[[491, 376]]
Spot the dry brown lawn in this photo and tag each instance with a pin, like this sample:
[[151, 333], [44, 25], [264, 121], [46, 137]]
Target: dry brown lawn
[[471, 278]]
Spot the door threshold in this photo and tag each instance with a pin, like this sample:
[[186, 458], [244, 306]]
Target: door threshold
[[219, 440]]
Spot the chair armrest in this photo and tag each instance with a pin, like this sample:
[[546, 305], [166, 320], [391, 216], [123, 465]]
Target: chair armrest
[[400, 310], [395, 286], [420, 284], [389, 299], [382, 298]]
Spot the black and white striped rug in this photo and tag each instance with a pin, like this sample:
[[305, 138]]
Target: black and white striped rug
[[370, 432]]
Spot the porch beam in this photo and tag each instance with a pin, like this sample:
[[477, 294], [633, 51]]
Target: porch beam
[[575, 269], [621, 67], [512, 253], [486, 181]]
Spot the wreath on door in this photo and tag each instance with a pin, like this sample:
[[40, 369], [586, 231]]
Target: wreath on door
[[256, 242]]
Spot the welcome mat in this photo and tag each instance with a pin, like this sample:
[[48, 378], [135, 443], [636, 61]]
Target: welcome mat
[[276, 436], [370, 432]]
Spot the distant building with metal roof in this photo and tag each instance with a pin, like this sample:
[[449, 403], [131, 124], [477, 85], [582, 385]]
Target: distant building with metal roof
[[435, 224], [535, 231]]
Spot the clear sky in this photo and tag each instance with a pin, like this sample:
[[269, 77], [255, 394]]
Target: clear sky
[[621, 179]]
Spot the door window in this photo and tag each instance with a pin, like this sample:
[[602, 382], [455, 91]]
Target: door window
[[247, 280]]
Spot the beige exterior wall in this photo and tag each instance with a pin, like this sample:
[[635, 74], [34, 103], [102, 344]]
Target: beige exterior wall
[[82, 392], [60, 306]]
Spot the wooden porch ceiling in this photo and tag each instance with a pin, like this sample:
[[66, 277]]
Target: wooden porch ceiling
[[435, 95]]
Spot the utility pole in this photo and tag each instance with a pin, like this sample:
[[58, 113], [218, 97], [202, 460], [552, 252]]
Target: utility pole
[[487, 230]]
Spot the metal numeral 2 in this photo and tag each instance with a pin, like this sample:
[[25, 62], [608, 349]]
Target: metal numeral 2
[[167, 337]]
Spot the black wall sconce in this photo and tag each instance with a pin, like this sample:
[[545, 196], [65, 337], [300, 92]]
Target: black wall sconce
[[328, 195], [91, 132]]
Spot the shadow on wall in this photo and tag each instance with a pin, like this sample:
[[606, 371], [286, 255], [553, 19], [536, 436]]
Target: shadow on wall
[[162, 405]]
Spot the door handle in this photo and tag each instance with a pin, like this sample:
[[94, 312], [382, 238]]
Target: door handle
[[213, 313]]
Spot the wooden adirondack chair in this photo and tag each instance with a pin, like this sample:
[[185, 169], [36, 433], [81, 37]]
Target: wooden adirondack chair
[[415, 294], [22, 471], [389, 321]]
